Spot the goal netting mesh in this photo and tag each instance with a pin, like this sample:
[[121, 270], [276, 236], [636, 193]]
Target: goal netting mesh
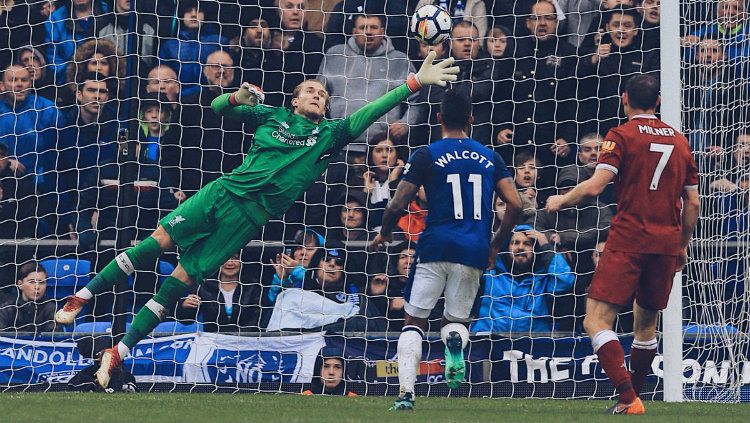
[[106, 126], [715, 115]]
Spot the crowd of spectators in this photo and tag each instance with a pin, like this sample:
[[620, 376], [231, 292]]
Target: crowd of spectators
[[544, 78]]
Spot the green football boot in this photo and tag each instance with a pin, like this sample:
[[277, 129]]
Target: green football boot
[[403, 402], [454, 360]]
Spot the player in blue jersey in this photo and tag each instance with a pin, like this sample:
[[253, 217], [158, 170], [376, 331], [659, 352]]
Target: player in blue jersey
[[459, 176]]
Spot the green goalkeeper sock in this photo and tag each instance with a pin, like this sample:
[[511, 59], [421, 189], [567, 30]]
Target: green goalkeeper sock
[[139, 257], [155, 310]]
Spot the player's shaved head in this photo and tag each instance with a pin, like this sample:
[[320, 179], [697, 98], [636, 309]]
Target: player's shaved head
[[455, 111], [643, 92]]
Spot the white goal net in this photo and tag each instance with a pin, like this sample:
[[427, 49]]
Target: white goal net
[[106, 126]]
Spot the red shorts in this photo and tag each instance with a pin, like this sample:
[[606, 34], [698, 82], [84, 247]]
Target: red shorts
[[620, 276]]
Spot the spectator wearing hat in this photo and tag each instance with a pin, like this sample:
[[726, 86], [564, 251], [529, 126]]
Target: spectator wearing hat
[[329, 376], [574, 232], [36, 64], [328, 278], [196, 39], [370, 61], [520, 292]]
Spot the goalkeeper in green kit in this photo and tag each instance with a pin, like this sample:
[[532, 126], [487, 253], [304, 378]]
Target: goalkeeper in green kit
[[292, 149]]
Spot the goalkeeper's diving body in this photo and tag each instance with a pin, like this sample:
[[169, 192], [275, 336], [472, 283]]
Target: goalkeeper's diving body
[[292, 149]]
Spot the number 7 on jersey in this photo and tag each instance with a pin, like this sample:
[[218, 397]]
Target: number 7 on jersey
[[666, 152]]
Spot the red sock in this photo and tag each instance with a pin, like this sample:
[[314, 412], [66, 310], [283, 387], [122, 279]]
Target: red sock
[[642, 355], [612, 358]]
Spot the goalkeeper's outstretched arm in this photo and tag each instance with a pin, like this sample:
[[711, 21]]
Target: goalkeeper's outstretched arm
[[241, 105], [429, 74]]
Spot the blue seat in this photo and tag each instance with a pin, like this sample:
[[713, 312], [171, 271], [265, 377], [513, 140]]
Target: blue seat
[[175, 327], [706, 330], [93, 327], [66, 276]]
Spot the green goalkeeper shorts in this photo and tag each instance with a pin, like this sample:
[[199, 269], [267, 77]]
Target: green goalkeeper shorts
[[211, 226]]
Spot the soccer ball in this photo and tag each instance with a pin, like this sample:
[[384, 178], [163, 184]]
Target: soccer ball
[[431, 24]]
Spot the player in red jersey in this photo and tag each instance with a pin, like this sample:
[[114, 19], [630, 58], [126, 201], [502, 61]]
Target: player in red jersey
[[656, 180]]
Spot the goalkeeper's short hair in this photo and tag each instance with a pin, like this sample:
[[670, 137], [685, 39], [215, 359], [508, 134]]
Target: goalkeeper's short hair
[[455, 110]]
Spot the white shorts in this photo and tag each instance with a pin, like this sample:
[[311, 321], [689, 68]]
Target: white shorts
[[459, 282]]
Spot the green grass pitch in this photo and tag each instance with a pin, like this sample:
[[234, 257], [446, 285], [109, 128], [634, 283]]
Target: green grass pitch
[[225, 408]]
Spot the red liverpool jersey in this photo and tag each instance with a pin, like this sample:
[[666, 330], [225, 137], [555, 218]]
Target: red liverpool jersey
[[653, 165]]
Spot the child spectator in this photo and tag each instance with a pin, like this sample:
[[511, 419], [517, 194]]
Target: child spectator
[[329, 377], [30, 310]]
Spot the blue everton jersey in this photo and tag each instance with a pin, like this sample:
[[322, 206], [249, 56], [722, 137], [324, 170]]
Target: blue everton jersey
[[459, 177]]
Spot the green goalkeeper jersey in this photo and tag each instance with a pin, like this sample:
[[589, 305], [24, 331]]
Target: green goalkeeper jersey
[[290, 152]]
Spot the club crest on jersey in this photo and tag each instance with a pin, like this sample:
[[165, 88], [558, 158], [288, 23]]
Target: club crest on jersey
[[176, 220], [607, 146]]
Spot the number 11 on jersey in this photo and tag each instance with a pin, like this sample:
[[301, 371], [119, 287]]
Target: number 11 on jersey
[[475, 180]]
